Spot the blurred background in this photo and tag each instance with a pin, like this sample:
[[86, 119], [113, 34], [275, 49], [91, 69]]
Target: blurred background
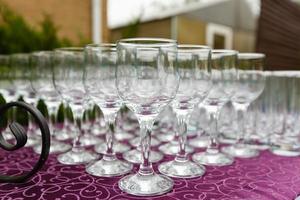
[[267, 26]]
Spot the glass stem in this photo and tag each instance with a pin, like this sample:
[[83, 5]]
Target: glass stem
[[110, 120], [145, 145], [182, 136], [51, 112], [213, 124], [241, 110], [78, 114]]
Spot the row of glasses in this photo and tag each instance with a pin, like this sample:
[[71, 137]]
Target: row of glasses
[[146, 75], [285, 108]]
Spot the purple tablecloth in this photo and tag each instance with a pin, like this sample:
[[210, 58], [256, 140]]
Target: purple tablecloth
[[265, 177]]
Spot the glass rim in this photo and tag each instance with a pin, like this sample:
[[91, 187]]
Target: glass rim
[[37, 53], [186, 48], [19, 54], [224, 51], [97, 45], [284, 73], [107, 47], [69, 49], [251, 56], [147, 41]]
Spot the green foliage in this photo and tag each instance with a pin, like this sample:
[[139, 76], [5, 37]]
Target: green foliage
[[41, 106], [4, 117], [69, 114], [21, 115], [17, 36], [61, 113], [132, 29]]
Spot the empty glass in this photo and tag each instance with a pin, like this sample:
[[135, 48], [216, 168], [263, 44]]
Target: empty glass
[[42, 84], [99, 82], [147, 81], [224, 76], [68, 72], [193, 64], [285, 99], [250, 84]]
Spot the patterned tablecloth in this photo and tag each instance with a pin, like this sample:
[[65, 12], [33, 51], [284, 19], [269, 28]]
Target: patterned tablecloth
[[265, 177]]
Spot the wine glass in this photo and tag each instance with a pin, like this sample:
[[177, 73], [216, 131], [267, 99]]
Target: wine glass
[[68, 72], [250, 84], [193, 62], [147, 81], [224, 75], [41, 83], [7, 79], [202, 139], [20, 73], [99, 82]]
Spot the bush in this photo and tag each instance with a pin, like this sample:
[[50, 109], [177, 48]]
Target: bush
[[17, 36]]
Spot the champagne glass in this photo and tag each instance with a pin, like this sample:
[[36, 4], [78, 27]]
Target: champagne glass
[[250, 84], [99, 82], [194, 70], [224, 76], [147, 81], [41, 83], [68, 72]]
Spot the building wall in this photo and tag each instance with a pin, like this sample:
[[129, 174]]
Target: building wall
[[244, 41], [72, 17], [157, 28], [190, 31]]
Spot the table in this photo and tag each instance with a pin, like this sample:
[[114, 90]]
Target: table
[[265, 177]]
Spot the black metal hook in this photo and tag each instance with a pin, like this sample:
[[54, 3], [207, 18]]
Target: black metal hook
[[21, 138]]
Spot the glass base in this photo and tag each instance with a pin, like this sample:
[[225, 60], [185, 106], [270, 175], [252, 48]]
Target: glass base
[[99, 131], [166, 137], [259, 146], [55, 147], [65, 134], [280, 151], [226, 140], [7, 135], [123, 135], [238, 151], [212, 159], [89, 140], [33, 141], [146, 185], [199, 142], [172, 148], [135, 156], [181, 169], [136, 141], [191, 131], [108, 167], [117, 147], [77, 157], [129, 126]]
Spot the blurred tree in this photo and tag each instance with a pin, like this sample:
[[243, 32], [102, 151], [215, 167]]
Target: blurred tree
[[132, 29], [17, 36]]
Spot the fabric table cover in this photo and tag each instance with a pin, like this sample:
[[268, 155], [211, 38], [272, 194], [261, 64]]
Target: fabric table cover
[[265, 177]]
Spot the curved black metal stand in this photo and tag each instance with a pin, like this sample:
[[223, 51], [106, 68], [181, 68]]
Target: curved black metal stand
[[21, 138]]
